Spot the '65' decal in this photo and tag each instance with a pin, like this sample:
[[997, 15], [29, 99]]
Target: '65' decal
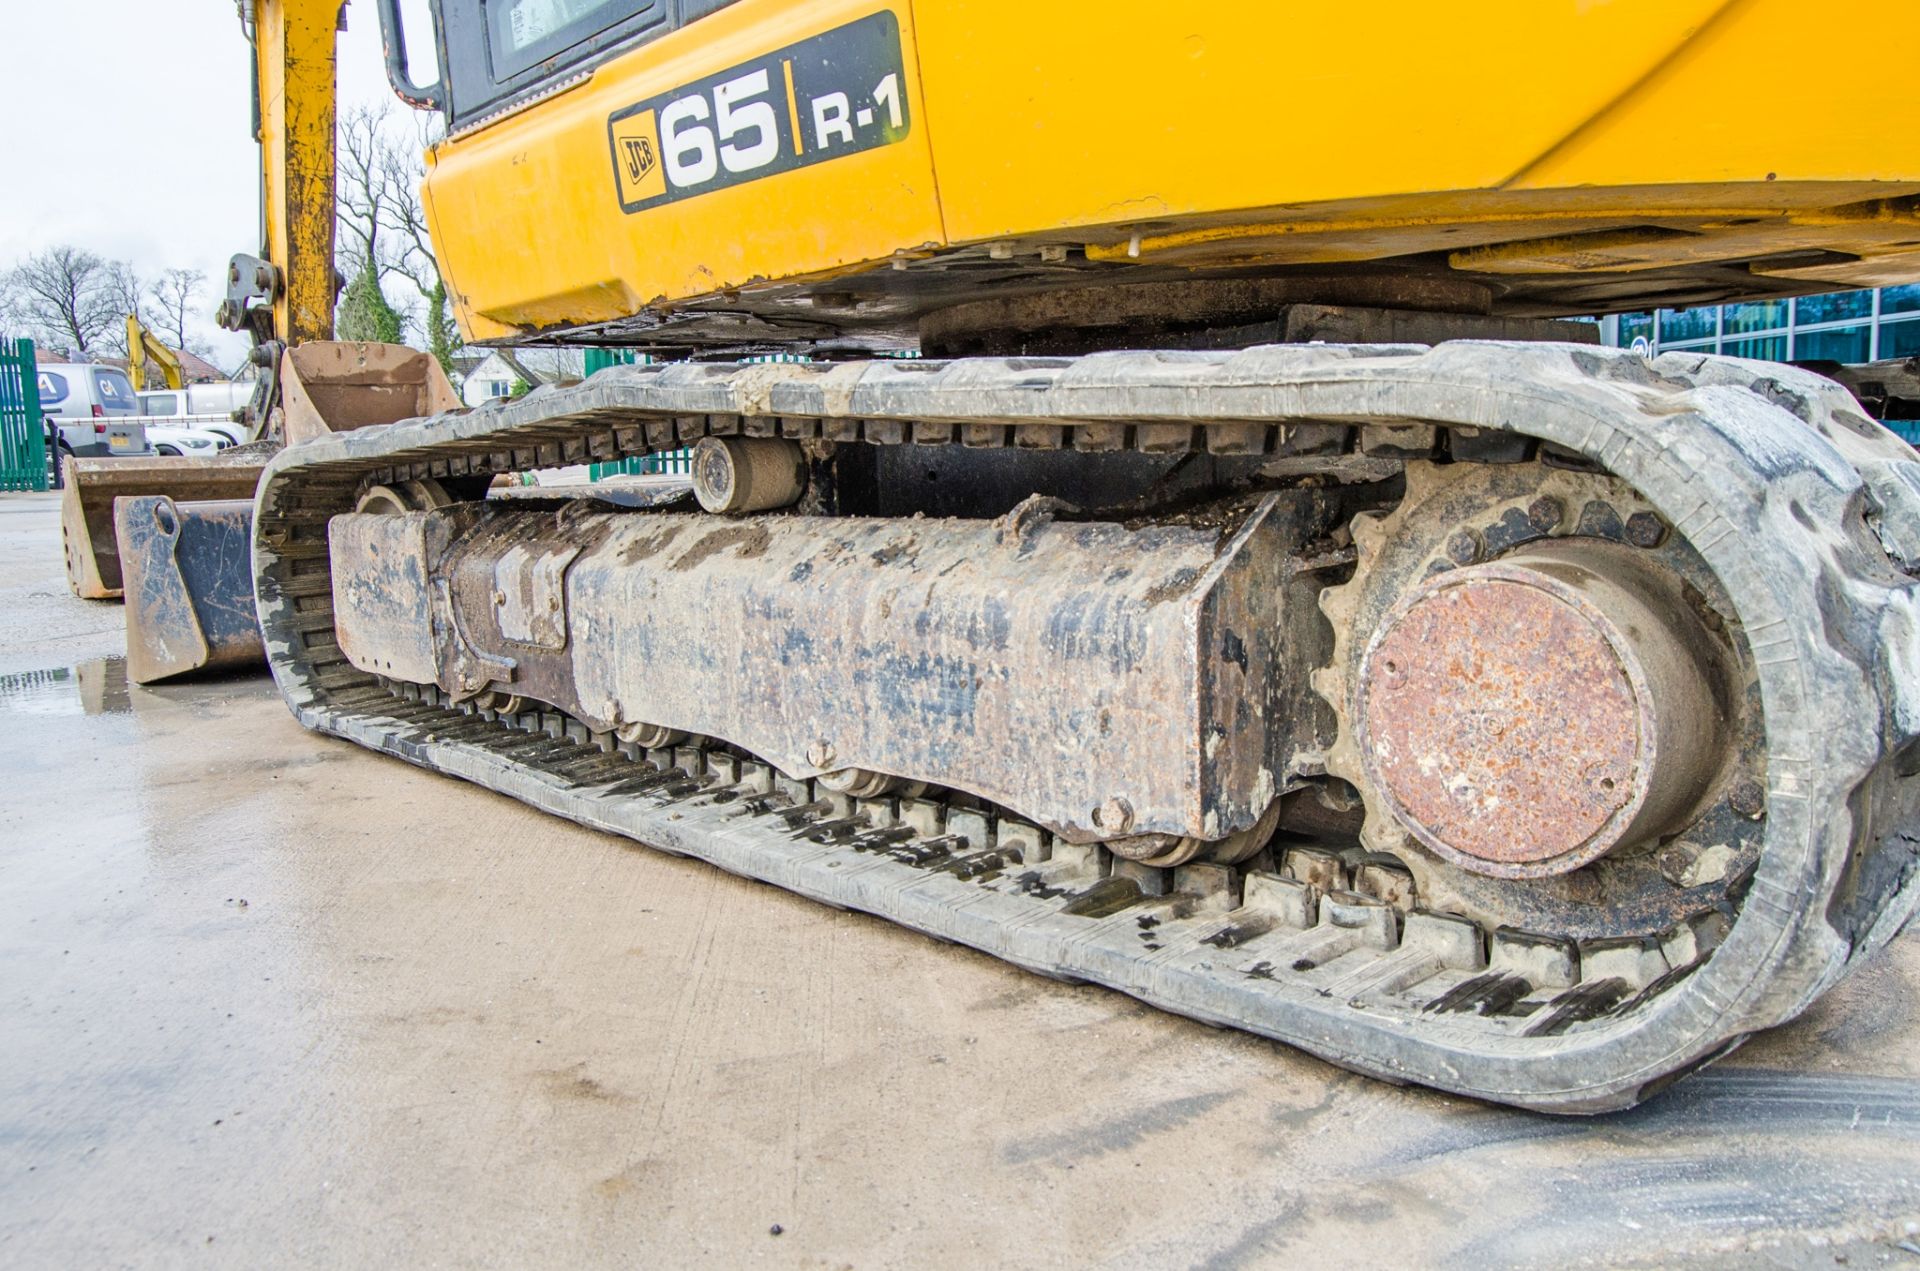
[[839, 93]]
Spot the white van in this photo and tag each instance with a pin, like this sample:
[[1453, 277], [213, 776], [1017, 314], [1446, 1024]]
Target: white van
[[94, 409], [206, 407]]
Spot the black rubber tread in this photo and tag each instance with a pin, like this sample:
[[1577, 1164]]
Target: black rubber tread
[[1794, 500]]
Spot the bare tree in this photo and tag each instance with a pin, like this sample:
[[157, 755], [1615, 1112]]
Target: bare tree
[[403, 168], [66, 296], [13, 317], [126, 291], [357, 191], [361, 209], [554, 364], [173, 294]]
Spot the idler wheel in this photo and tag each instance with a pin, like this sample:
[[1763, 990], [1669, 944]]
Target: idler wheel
[[1524, 717], [1164, 851], [649, 736], [423, 495]]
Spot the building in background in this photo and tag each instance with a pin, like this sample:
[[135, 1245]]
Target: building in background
[[1841, 326], [496, 374]]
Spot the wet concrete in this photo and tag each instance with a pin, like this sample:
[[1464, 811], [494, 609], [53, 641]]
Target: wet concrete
[[270, 999]]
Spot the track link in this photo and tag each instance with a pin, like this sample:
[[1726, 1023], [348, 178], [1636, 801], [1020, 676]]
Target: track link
[[1804, 511]]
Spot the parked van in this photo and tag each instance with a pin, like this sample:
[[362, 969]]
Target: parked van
[[93, 408], [208, 407]]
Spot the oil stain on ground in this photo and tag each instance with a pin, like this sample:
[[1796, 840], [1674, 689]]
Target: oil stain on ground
[[1128, 1130]]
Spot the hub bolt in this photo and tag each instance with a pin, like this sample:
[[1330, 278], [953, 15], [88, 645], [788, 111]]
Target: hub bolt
[[1115, 816], [1748, 799], [1464, 548], [1646, 529], [1545, 513]]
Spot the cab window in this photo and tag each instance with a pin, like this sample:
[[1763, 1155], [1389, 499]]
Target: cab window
[[525, 32]]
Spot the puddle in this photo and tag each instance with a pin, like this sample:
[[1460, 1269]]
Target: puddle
[[97, 686]]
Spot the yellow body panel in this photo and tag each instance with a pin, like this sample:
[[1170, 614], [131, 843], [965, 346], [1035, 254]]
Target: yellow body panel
[[1239, 133], [1141, 113], [530, 229]]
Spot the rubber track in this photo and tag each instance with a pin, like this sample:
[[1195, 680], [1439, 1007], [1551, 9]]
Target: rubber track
[[1804, 509]]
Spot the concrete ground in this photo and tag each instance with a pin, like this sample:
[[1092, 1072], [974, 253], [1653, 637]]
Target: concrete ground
[[266, 998]]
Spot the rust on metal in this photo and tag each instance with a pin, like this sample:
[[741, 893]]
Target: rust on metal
[[943, 652], [338, 385], [1527, 716], [86, 505], [188, 569]]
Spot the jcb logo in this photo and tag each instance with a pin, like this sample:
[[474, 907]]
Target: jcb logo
[[640, 157], [635, 147]]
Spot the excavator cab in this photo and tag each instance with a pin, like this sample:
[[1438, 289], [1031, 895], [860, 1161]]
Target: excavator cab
[[490, 56]]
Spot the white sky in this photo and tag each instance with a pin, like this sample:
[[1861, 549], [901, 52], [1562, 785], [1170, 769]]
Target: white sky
[[127, 133]]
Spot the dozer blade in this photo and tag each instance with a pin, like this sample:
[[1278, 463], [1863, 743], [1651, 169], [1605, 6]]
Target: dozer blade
[[188, 569], [174, 535], [86, 506]]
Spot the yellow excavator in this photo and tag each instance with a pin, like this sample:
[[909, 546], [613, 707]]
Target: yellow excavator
[[148, 355], [1155, 517]]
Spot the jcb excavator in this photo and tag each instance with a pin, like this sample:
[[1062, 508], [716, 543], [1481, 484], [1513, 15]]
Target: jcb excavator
[[1182, 543]]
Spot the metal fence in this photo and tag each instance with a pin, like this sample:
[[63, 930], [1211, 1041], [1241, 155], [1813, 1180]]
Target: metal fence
[[666, 461], [23, 439]]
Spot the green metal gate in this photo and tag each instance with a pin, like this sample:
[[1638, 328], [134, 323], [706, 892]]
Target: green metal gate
[[680, 461], [23, 441]]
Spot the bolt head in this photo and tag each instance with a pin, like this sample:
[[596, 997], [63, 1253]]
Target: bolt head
[[1545, 513], [1464, 547], [1646, 529], [1747, 799], [1115, 816], [1676, 861], [260, 277]]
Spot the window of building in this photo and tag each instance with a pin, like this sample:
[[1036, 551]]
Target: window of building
[[498, 388], [1687, 324], [1851, 326], [1833, 307], [1900, 299], [1766, 348], [1900, 339], [1846, 344], [1762, 315]]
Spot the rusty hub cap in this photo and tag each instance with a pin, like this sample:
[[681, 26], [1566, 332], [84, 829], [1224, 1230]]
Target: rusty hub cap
[[1524, 717]]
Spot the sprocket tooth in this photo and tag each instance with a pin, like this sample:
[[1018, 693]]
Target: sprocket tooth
[[1368, 535], [1325, 683]]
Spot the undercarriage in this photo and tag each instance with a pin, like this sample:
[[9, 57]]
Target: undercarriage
[[1527, 720]]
